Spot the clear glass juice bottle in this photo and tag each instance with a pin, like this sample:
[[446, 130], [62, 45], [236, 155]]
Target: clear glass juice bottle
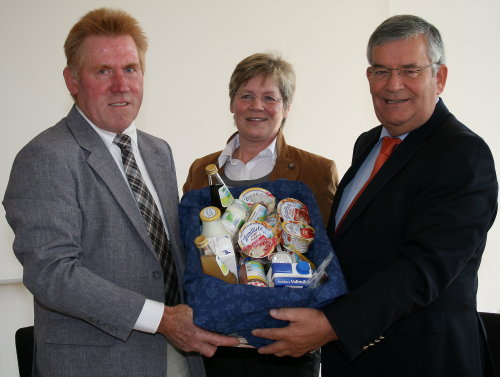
[[220, 196]]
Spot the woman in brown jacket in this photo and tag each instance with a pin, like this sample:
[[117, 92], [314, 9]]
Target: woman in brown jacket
[[261, 90]]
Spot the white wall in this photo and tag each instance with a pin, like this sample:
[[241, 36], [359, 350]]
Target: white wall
[[194, 46]]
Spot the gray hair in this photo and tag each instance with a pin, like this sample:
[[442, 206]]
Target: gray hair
[[404, 27]]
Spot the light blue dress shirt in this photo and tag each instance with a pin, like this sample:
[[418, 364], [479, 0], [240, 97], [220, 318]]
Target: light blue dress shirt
[[362, 175]]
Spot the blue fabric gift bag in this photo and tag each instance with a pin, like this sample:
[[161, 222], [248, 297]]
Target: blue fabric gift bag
[[236, 308]]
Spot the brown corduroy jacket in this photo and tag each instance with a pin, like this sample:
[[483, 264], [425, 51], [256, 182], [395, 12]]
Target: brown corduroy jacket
[[318, 172]]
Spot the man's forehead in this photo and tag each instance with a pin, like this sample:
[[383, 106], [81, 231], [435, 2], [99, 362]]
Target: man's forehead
[[403, 52], [103, 48], [102, 44]]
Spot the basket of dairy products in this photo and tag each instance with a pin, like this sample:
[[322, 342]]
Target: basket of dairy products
[[237, 309]]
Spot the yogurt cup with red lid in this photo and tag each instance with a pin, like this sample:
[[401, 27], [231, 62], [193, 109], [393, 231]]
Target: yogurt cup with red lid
[[257, 239]]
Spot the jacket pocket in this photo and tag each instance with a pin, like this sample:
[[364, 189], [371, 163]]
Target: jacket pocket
[[424, 322], [76, 332]]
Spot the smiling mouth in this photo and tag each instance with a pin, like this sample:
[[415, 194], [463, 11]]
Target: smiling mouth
[[391, 102], [256, 119], [119, 104]]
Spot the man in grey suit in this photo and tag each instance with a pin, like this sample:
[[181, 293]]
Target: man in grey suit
[[87, 248]]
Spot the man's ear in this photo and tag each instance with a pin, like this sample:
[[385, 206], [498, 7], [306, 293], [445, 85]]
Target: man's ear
[[441, 76], [71, 81]]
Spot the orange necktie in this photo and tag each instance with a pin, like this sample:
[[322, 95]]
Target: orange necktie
[[388, 146]]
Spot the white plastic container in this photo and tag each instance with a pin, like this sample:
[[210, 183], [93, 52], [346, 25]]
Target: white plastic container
[[234, 217]]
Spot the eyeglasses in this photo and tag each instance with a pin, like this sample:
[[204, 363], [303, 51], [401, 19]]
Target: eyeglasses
[[266, 100], [383, 73]]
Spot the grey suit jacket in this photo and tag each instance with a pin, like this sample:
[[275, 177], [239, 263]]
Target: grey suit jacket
[[87, 257]]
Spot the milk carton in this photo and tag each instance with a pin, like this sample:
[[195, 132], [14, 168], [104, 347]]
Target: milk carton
[[293, 275]]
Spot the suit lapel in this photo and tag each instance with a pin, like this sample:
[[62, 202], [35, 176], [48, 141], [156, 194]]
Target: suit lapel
[[399, 159], [285, 164], [101, 161], [158, 161], [361, 149], [161, 171], [389, 170]]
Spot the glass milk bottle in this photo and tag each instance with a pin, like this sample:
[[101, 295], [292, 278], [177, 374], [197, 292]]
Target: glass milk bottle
[[211, 224]]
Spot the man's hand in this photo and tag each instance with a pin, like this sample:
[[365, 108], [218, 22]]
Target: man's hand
[[309, 329], [178, 327]]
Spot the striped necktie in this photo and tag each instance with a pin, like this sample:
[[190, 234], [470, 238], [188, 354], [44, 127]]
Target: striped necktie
[[152, 219]]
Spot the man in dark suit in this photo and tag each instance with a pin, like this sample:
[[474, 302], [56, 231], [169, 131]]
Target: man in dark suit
[[409, 237], [93, 204]]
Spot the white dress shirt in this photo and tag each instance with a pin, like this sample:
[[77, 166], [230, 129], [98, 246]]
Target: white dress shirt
[[152, 311], [258, 167]]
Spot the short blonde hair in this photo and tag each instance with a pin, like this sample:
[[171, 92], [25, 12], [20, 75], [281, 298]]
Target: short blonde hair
[[269, 65]]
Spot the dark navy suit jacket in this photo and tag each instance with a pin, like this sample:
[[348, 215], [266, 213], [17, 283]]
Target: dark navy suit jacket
[[410, 249]]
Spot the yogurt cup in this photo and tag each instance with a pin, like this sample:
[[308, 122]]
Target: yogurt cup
[[257, 239], [297, 236], [255, 195], [293, 210]]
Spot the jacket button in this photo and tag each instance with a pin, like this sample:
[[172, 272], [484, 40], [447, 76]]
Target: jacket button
[[156, 274], [291, 165]]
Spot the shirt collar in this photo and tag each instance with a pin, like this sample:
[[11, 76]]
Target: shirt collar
[[234, 144], [228, 150], [385, 133], [108, 137]]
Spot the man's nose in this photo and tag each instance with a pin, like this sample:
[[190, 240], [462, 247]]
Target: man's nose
[[395, 80], [120, 83]]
